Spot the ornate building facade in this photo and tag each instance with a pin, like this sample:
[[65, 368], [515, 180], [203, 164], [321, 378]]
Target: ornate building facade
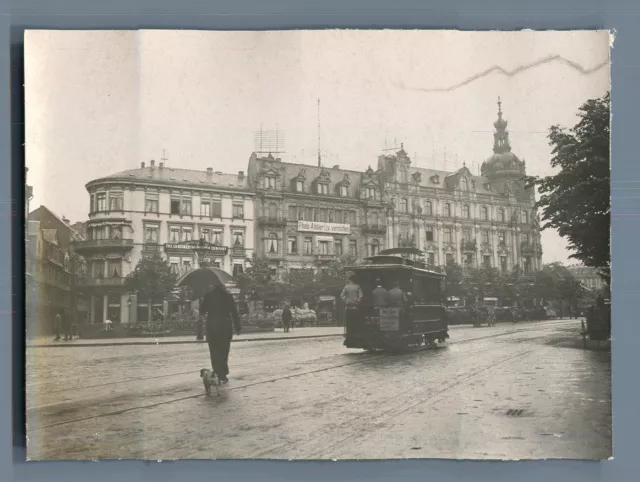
[[161, 209], [487, 220], [307, 215]]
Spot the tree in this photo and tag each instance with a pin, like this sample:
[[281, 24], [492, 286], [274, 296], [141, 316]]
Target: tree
[[152, 279], [258, 281], [576, 200]]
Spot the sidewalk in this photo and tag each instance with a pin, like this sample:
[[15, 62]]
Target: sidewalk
[[278, 334]]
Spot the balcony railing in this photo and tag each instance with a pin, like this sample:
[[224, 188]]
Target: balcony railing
[[102, 244], [374, 228], [272, 220], [101, 282]]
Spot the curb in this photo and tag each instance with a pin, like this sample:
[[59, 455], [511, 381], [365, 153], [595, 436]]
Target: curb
[[175, 342]]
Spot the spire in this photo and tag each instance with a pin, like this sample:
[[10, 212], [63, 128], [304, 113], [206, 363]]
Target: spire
[[501, 136]]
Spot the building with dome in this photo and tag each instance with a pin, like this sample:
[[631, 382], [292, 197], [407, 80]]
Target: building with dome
[[486, 220]]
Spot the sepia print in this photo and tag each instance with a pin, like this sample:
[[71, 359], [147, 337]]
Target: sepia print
[[331, 244]]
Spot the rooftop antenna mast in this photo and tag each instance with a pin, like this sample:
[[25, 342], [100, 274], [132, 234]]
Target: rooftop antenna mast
[[164, 156]]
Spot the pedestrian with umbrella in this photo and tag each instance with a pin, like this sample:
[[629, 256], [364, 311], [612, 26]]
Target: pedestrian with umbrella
[[221, 312]]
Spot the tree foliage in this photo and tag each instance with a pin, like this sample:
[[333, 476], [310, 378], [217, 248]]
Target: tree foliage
[[258, 282], [152, 278], [576, 200]]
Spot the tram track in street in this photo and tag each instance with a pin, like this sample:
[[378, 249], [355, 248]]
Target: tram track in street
[[368, 358]]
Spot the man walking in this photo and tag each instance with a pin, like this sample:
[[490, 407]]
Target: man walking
[[222, 317], [286, 318], [57, 325]]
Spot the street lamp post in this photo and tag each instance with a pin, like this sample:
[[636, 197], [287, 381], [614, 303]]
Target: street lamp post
[[129, 303]]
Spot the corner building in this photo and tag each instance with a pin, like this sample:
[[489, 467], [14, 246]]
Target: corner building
[[156, 208], [488, 220], [307, 215]]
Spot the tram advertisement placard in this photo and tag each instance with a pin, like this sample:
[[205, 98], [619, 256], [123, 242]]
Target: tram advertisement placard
[[390, 319]]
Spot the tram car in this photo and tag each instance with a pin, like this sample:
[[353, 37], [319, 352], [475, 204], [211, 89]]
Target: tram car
[[403, 303]]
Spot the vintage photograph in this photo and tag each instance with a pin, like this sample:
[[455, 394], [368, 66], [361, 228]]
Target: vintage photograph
[[318, 245]]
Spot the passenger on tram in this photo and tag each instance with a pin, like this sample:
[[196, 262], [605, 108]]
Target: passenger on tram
[[395, 296], [379, 294]]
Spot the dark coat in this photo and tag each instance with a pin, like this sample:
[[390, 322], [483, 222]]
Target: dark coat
[[221, 312], [286, 315]]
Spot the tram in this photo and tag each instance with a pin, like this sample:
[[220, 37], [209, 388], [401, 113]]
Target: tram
[[392, 322]]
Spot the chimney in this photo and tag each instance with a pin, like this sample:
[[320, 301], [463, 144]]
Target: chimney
[[153, 163], [209, 173], [65, 220], [142, 164], [240, 175], [161, 165], [336, 167]]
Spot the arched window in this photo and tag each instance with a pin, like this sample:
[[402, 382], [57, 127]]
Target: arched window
[[484, 213], [273, 210], [465, 184], [272, 243], [375, 247], [447, 209], [428, 208], [465, 211], [403, 205], [501, 214]]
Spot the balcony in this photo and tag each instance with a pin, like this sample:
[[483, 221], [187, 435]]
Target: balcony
[[374, 228], [101, 282], [324, 258], [528, 249], [93, 245], [274, 221]]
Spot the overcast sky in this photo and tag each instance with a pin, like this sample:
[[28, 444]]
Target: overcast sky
[[98, 102]]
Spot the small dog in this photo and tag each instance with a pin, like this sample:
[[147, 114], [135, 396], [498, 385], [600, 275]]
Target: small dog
[[209, 378]]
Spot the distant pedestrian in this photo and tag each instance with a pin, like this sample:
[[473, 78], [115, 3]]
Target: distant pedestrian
[[287, 317], [57, 325]]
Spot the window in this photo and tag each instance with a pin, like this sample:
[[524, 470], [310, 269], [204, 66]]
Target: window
[[502, 238], [102, 201], [238, 210], [527, 264], [238, 239], [292, 245], [115, 232], [525, 238], [308, 214], [186, 234], [174, 235], [175, 266], [429, 232], [308, 246], [370, 193], [97, 268], [100, 233], [205, 208], [465, 211], [465, 184], [293, 215], [344, 191], [322, 188], [299, 186], [186, 265], [115, 201], [447, 210], [151, 234], [323, 247], [186, 207], [375, 247], [484, 213], [501, 215], [448, 235], [205, 234], [337, 246], [272, 243], [216, 237], [449, 258], [466, 235], [428, 208], [272, 210], [486, 261], [175, 206], [270, 182], [91, 203], [525, 217], [374, 218], [353, 247], [485, 237], [403, 205], [216, 208], [331, 214], [403, 174], [468, 259], [237, 269], [431, 259]]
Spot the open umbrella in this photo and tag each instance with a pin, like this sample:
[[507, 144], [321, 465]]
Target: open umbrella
[[202, 280]]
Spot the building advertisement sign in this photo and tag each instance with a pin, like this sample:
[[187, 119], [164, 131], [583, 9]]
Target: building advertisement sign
[[212, 250], [389, 319], [328, 228]]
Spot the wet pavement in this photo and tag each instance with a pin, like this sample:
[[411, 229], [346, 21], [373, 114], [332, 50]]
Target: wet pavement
[[513, 391]]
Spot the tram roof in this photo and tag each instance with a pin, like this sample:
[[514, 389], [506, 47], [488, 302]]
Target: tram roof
[[393, 265]]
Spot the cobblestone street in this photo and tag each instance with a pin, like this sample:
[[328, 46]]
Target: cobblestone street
[[513, 391]]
